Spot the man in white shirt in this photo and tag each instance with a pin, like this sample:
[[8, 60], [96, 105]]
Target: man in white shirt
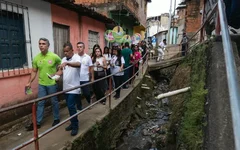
[[70, 79], [86, 70], [161, 49]]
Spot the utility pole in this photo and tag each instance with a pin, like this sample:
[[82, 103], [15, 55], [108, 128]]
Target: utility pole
[[170, 22]]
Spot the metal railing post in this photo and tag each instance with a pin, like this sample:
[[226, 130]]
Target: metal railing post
[[35, 129], [110, 91]]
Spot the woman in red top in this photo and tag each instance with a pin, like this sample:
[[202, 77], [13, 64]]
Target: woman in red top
[[136, 57]]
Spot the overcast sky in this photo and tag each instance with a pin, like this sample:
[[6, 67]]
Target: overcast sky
[[157, 7]]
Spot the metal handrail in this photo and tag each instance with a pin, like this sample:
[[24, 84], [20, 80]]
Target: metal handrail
[[232, 74], [38, 136]]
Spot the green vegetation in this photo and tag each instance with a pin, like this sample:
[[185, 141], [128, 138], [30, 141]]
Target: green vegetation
[[191, 132], [187, 119]]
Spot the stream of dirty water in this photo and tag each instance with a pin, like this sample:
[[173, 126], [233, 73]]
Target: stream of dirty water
[[147, 129]]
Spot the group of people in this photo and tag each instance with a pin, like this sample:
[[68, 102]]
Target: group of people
[[78, 69]]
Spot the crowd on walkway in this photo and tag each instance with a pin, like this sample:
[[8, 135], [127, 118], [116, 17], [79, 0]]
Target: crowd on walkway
[[81, 68]]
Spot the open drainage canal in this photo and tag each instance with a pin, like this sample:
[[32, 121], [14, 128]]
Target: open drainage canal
[[147, 129]]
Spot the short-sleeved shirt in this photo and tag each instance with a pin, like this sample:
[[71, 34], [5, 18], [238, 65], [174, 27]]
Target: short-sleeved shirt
[[71, 75], [46, 64], [126, 52], [137, 57], [116, 66], [162, 45], [86, 62]]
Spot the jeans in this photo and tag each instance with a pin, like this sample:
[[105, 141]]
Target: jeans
[[43, 91], [71, 100], [86, 91], [118, 82]]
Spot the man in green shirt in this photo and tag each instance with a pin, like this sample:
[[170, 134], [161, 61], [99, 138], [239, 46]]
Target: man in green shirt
[[45, 63], [127, 54]]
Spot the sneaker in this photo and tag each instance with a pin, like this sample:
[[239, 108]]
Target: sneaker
[[74, 132], [69, 128], [55, 122], [30, 127]]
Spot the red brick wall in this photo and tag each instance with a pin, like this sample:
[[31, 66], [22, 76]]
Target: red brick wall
[[193, 17]]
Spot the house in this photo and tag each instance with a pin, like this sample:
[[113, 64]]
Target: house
[[157, 24], [23, 22], [129, 14]]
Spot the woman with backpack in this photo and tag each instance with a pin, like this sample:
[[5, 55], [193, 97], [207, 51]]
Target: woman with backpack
[[117, 63]]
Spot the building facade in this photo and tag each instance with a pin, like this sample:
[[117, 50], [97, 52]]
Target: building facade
[[130, 15], [157, 24]]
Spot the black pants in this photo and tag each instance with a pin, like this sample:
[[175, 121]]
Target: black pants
[[99, 87], [136, 69], [184, 49], [108, 73], [118, 82]]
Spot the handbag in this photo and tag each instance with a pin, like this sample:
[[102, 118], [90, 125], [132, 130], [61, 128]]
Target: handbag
[[101, 73]]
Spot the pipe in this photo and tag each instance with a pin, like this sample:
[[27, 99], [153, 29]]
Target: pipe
[[172, 93]]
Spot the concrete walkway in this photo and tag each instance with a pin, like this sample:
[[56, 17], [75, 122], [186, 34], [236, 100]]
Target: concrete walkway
[[60, 138]]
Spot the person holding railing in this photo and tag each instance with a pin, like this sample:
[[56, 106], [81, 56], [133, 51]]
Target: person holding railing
[[70, 71], [100, 65], [45, 63], [117, 63], [161, 49]]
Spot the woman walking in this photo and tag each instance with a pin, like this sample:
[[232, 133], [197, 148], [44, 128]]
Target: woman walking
[[100, 65], [136, 58], [117, 64], [108, 58]]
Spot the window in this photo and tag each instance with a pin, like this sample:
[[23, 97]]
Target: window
[[93, 38], [15, 41], [12, 40]]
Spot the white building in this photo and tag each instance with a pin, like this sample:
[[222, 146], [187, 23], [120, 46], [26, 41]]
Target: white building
[[157, 24]]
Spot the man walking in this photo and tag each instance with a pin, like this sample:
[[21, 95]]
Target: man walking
[[45, 63], [127, 54], [70, 76], [161, 50], [86, 71]]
